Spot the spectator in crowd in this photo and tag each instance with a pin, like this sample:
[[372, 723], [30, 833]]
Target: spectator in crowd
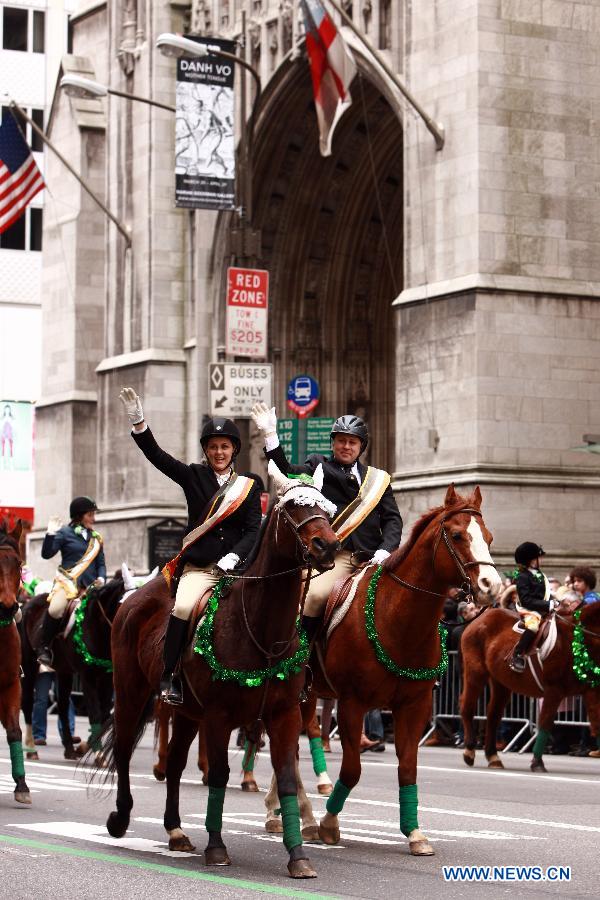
[[584, 581]]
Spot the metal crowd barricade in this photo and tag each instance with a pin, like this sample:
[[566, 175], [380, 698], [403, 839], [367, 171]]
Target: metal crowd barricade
[[446, 704]]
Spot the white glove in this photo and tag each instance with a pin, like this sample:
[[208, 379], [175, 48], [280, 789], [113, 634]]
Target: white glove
[[54, 525], [99, 582], [227, 562], [379, 556], [264, 418], [132, 404]]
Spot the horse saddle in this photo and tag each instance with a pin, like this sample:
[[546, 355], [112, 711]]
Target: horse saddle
[[545, 638], [198, 613], [68, 618], [340, 599]]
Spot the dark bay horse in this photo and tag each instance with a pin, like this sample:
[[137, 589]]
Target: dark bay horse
[[85, 651], [487, 643], [388, 651], [10, 656], [249, 671]]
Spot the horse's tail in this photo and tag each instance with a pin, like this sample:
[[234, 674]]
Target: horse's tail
[[104, 764]]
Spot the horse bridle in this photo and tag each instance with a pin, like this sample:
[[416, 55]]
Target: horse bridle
[[461, 564], [296, 528]]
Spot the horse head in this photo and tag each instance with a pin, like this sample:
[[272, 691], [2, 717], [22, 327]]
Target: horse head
[[466, 539], [307, 513], [10, 568]]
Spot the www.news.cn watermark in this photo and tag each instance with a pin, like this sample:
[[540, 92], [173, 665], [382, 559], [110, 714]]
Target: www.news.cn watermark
[[506, 873]]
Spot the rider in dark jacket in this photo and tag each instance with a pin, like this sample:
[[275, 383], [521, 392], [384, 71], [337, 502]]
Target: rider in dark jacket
[[533, 599]]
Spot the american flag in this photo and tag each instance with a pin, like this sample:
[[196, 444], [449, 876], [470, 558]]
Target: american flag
[[20, 178], [332, 68]]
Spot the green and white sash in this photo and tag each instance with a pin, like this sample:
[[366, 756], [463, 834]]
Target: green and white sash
[[371, 491]]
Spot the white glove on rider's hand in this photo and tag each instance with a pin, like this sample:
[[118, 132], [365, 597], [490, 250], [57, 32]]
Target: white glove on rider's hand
[[264, 418], [379, 556], [99, 582], [227, 562], [54, 525], [132, 404]]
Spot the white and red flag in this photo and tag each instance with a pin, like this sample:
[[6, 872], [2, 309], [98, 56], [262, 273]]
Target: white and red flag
[[332, 68], [20, 178]]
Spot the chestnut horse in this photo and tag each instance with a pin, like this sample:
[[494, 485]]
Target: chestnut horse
[[249, 671], [487, 644], [84, 651], [388, 650], [10, 655]]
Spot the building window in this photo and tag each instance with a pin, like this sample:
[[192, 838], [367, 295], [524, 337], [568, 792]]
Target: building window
[[37, 143], [385, 25], [16, 32], [25, 233]]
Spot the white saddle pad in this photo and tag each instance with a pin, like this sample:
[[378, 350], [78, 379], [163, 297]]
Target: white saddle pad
[[548, 644], [341, 611]]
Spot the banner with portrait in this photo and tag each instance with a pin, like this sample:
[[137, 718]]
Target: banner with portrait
[[16, 453], [205, 129]]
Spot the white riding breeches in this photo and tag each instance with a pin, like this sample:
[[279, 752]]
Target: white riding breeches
[[321, 586], [57, 600], [192, 585]]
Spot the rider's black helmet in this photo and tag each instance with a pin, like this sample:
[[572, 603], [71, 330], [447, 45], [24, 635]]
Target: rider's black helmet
[[526, 552], [219, 427], [80, 506], [352, 425]]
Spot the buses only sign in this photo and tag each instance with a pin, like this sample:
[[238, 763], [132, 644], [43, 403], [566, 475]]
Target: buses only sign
[[247, 306]]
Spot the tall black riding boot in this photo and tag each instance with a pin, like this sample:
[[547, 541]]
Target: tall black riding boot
[[170, 686], [49, 630], [517, 662]]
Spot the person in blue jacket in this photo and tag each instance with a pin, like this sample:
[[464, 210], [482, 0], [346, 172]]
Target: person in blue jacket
[[82, 564]]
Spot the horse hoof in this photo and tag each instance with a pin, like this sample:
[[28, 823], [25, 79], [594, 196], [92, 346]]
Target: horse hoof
[[250, 787], [421, 848], [115, 825], [101, 762], [537, 765], [23, 797], [310, 833], [71, 753], [205, 778], [274, 826], [301, 868], [329, 835], [82, 748], [216, 856], [325, 789], [495, 763], [33, 756], [181, 843], [158, 773], [469, 757]]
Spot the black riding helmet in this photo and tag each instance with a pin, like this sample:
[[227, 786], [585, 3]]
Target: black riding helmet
[[526, 552], [219, 427], [351, 425], [80, 506]]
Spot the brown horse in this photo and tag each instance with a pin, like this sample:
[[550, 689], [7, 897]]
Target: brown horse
[[249, 672], [486, 645], [386, 651], [10, 656]]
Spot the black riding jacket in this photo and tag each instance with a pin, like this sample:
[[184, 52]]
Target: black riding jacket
[[531, 590], [235, 534], [382, 529]]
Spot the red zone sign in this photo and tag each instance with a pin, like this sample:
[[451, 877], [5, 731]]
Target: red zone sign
[[247, 305]]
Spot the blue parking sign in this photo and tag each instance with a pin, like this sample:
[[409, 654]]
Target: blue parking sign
[[302, 394]]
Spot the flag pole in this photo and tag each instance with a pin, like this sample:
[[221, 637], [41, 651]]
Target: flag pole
[[436, 128], [41, 134]]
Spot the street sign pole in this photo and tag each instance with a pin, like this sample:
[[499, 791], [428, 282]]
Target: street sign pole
[[301, 439]]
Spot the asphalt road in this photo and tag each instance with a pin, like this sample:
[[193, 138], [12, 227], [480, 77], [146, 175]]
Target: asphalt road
[[59, 848]]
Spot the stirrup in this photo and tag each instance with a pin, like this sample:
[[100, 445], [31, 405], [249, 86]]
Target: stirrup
[[45, 657], [171, 690], [517, 663]]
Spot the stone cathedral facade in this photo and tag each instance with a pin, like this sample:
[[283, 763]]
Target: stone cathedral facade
[[450, 296]]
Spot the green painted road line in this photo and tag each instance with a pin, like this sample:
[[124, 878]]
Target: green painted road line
[[166, 870]]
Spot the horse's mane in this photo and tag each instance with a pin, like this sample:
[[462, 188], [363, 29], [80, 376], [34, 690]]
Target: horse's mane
[[7, 541], [113, 589], [252, 556], [398, 556]]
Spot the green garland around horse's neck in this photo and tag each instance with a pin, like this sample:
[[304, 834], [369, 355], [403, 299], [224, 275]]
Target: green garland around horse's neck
[[79, 642], [583, 665], [204, 646], [422, 674]]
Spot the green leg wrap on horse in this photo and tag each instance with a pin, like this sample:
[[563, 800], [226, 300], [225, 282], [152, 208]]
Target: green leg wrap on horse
[[290, 816], [249, 756], [16, 759], [337, 798], [409, 818], [318, 755], [94, 738], [540, 742], [214, 809]]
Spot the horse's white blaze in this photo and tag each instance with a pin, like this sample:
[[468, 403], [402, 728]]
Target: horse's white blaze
[[488, 579]]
